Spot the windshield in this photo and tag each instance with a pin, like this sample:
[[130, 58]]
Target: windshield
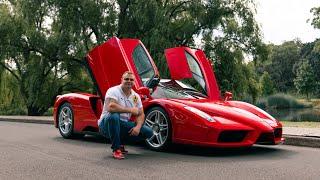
[[197, 80], [143, 64], [174, 89]]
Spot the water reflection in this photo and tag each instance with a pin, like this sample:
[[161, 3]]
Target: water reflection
[[304, 114]]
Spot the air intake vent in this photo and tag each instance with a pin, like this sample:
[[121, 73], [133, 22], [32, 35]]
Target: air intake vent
[[278, 132], [232, 136], [266, 138]]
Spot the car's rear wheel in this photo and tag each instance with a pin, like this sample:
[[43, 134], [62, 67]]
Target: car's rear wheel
[[66, 121], [158, 120]]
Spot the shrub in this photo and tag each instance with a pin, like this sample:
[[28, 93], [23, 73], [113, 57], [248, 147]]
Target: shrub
[[49, 112], [280, 101], [262, 103], [5, 110]]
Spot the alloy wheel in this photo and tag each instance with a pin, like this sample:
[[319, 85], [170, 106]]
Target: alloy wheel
[[65, 120], [158, 122]]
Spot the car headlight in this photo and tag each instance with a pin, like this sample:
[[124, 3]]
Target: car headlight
[[200, 113]]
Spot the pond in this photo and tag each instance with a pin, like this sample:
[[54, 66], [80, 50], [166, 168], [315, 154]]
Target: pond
[[301, 114]]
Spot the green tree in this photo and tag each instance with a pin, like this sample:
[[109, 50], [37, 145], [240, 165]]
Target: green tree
[[251, 81], [164, 24], [311, 52], [236, 34], [267, 86], [282, 60], [305, 80], [38, 55], [316, 17], [43, 42], [10, 98]]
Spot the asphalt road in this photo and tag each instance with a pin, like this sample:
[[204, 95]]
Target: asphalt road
[[37, 151]]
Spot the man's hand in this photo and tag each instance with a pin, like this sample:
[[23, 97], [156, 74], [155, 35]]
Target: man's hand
[[135, 111], [134, 131], [113, 106]]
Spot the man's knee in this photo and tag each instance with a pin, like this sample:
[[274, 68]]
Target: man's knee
[[147, 131]]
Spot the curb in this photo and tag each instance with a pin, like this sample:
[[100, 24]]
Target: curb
[[37, 121], [306, 141]]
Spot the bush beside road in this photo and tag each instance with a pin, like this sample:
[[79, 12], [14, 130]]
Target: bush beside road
[[297, 134]]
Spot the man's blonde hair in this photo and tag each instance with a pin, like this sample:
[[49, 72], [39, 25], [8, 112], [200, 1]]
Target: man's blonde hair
[[127, 73]]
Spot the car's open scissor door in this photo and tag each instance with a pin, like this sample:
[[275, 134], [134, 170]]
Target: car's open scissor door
[[107, 63], [185, 63]]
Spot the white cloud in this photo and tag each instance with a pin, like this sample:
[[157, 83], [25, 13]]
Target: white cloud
[[284, 20]]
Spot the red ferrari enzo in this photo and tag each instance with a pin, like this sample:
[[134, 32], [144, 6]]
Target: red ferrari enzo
[[187, 108]]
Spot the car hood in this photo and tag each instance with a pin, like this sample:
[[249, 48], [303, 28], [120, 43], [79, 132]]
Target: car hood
[[236, 111]]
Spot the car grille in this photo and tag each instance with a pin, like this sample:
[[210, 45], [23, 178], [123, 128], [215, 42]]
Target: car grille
[[232, 136], [266, 138]]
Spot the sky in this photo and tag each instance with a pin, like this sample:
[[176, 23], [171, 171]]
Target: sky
[[285, 20]]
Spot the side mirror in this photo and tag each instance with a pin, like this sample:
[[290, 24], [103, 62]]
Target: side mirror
[[144, 91], [153, 82], [227, 96]]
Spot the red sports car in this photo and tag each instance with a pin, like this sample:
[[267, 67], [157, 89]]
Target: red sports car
[[187, 108]]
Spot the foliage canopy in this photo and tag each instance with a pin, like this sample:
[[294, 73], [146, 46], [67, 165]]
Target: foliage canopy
[[43, 42]]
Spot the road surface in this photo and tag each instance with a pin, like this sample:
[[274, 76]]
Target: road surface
[[37, 151]]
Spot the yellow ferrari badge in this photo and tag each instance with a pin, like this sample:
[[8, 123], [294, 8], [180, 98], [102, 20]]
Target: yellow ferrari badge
[[135, 99]]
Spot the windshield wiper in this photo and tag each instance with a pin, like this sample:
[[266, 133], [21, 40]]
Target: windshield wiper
[[193, 92], [186, 93]]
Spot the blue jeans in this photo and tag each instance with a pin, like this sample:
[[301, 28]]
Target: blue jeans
[[117, 130]]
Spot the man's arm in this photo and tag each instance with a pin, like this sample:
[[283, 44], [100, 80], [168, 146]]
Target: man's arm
[[140, 118], [113, 106], [139, 122]]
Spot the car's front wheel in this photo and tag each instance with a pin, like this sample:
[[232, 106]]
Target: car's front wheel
[[65, 121], [158, 120]]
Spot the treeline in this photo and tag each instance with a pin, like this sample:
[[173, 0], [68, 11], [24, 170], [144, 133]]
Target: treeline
[[43, 43], [292, 67]]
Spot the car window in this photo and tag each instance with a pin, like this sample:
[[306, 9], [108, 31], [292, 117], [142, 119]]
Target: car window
[[197, 80], [143, 64]]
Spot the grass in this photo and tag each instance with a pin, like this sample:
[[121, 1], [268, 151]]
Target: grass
[[305, 124]]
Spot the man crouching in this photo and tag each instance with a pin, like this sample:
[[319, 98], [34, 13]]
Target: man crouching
[[121, 103]]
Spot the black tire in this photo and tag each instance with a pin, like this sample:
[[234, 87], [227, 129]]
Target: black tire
[[66, 121], [165, 131]]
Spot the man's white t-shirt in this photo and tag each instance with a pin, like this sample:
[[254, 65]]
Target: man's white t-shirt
[[117, 94]]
